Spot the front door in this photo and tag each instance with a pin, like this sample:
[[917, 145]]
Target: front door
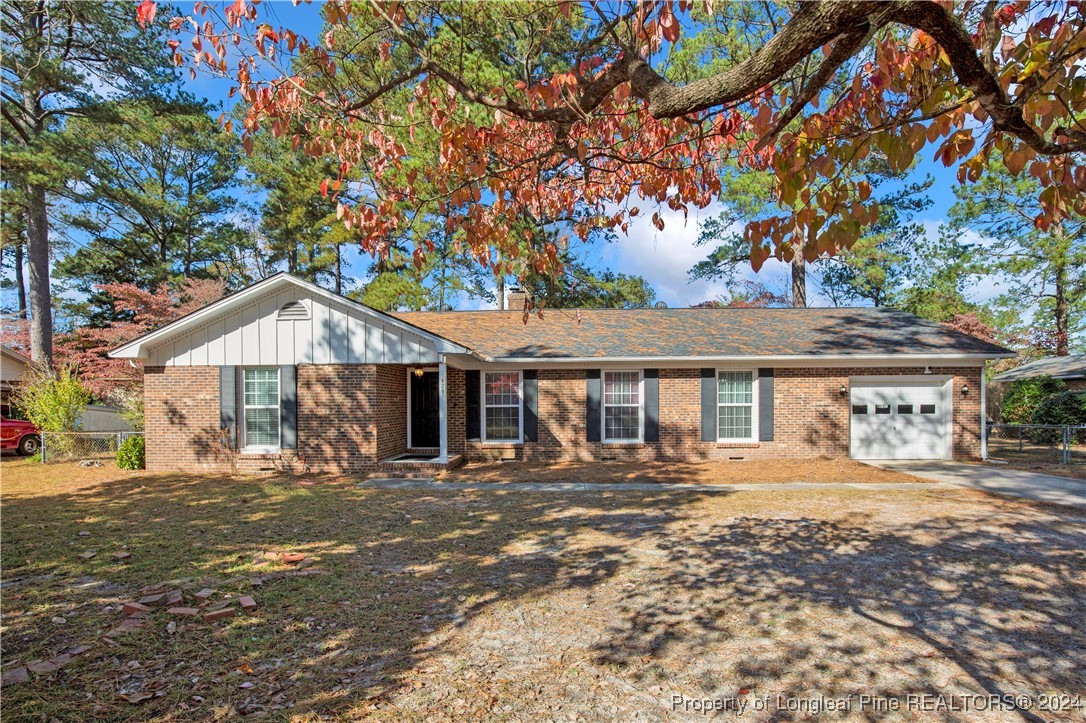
[[425, 421]]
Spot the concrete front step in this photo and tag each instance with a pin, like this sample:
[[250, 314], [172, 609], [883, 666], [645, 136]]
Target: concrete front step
[[400, 474]]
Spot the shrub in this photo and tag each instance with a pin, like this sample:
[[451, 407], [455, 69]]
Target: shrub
[[130, 455], [1062, 408], [1025, 395], [53, 401]]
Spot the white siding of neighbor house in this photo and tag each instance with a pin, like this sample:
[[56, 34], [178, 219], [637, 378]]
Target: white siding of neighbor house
[[334, 334]]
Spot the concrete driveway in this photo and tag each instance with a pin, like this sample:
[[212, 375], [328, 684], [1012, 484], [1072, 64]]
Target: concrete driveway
[[998, 478]]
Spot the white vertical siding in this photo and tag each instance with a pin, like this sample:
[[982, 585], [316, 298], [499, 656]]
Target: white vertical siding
[[216, 343], [356, 335], [334, 334]]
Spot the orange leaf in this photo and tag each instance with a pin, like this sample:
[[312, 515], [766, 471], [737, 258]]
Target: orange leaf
[[145, 13]]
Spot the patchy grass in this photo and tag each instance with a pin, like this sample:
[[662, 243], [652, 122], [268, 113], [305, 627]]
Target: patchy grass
[[506, 604], [821, 469]]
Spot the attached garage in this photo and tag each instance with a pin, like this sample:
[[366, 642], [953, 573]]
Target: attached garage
[[902, 418]]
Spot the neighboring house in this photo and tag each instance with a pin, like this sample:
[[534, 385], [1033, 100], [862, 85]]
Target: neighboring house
[[1071, 369], [12, 367], [287, 370]]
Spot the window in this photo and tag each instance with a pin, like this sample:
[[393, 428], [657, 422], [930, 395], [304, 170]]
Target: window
[[927, 409], [501, 406], [735, 405], [260, 408], [621, 406], [882, 409], [904, 409], [859, 409]]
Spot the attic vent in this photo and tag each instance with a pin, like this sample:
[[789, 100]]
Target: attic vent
[[294, 311]]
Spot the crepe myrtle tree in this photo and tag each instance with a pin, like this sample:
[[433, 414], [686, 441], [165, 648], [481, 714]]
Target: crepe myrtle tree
[[579, 106]]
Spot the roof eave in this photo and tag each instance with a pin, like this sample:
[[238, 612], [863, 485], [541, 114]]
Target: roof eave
[[972, 356]]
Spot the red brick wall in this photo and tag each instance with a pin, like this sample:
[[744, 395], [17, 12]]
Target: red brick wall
[[811, 418], [456, 407], [181, 419], [349, 417], [352, 416], [337, 426], [391, 410]]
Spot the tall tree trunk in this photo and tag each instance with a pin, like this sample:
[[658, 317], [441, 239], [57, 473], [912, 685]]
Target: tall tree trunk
[[20, 283], [1061, 311], [501, 292], [37, 251], [799, 281], [339, 269]]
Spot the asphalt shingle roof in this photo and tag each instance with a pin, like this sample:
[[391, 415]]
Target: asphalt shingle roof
[[1057, 367], [593, 333]]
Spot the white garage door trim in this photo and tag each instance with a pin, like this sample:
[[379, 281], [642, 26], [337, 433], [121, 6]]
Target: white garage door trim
[[876, 446]]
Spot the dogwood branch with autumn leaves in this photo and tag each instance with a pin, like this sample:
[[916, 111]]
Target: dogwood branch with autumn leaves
[[603, 128]]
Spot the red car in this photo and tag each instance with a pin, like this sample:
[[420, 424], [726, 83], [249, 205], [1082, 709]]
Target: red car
[[21, 436]]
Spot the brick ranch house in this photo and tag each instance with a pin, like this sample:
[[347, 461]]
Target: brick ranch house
[[287, 373]]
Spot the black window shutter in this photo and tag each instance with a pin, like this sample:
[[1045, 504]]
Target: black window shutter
[[531, 405], [652, 405], [765, 405], [593, 398], [228, 404], [472, 426], [708, 405], [288, 407]]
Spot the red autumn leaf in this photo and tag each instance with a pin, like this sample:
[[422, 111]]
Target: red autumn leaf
[[324, 187], [145, 12]]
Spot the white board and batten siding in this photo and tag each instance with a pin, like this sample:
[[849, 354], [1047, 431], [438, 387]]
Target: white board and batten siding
[[334, 333]]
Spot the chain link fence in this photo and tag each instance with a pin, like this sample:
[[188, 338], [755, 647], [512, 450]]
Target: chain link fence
[[1037, 443], [77, 446]]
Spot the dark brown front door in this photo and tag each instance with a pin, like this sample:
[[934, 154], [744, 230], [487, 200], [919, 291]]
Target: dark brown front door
[[425, 421]]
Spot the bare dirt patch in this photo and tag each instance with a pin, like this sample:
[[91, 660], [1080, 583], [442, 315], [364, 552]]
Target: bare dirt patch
[[820, 469], [1074, 471], [506, 604]]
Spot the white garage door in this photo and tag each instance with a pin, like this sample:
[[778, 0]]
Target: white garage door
[[899, 419]]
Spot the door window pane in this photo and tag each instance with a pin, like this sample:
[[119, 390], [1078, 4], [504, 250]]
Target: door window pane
[[859, 409], [882, 409], [904, 409], [927, 409]]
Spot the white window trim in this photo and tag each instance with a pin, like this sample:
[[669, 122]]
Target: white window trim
[[640, 407], [753, 407], [245, 447], [483, 405]]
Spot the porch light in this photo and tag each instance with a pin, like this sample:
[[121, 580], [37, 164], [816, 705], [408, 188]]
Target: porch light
[[843, 390], [965, 390], [418, 372]]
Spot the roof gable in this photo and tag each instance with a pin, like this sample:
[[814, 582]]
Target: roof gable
[[247, 328]]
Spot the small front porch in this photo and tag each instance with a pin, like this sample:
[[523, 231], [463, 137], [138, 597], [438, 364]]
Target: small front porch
[[420, 444]]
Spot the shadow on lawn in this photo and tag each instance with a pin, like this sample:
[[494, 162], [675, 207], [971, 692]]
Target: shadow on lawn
[[1003, 600], [358, 633], [388, 554]]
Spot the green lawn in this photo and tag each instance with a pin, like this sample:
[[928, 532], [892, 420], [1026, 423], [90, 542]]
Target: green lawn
[[508, 604]]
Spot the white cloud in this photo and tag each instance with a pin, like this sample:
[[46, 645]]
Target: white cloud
[[665, 258]]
